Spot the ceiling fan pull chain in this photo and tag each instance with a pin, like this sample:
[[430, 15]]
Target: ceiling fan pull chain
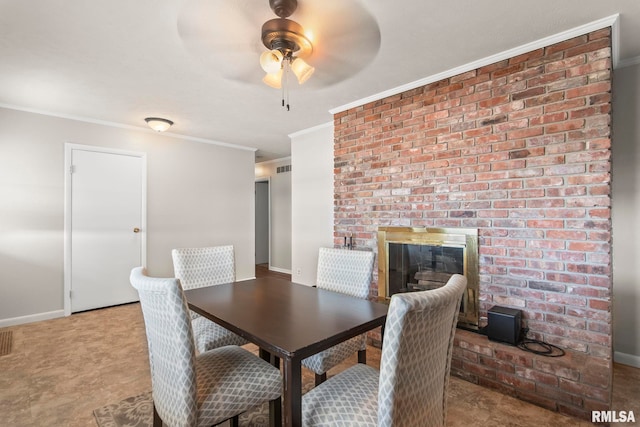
[[287, 83]]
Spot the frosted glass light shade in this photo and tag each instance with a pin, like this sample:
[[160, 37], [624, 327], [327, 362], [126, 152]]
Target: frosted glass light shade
[[302, 70], [158, 124], [274, 79], [271, 60]]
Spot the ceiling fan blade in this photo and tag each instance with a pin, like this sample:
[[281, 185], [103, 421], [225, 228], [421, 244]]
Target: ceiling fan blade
[[345, 36], [224, 35]]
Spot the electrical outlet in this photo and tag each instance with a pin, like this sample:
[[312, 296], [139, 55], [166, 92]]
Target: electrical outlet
[[298, 272]]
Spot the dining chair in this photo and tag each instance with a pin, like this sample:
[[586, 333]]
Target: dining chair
[[348, 272], [192, 389], [200, 267], [410, 389]]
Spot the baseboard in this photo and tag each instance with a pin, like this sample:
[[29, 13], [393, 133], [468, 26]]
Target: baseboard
[[31, 318], [627, 359], [279, 270]]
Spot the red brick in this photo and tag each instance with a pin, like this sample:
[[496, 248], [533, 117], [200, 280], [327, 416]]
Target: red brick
[[567, 44], [565, 105], [591, 89], [557, 395], [528, 132], [588, 391], [515, 381], [537, 376], [549, 118], [588, 47], [599, 304], [496, 365], [479, 370]]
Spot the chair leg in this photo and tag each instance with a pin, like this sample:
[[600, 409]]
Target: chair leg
[[266, 356], [235, 421], [275, 412], [362, 356], [157, 421], [275, 361], [320, 378]]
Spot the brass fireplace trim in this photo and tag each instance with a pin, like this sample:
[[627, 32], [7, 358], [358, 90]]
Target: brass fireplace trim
[[466, 238]]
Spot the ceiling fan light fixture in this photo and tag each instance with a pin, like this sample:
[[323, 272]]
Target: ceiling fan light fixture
[[301, 69], [158, 124], [274, 80], [288, 43], [271, 60]]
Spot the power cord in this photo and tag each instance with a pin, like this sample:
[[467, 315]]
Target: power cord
[[539, 347]]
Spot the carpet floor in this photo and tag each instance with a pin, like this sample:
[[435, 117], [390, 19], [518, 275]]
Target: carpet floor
[[59, 371], [137, 411]]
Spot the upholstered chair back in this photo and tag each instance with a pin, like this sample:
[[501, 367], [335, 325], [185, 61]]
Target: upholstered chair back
[[171, 347], [416, 356], [346, 271], [199, 267]]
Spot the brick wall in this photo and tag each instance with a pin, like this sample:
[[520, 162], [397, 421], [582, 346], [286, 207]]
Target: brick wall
[[520, 150]]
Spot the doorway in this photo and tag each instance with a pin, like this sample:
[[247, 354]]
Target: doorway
[[263, 235], [105, 225]]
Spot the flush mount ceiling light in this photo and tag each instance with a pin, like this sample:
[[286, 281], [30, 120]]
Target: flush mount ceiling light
[[288, 45], [158, 124]]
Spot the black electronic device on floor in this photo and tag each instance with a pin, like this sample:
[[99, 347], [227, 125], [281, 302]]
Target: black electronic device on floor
[[504, 325]]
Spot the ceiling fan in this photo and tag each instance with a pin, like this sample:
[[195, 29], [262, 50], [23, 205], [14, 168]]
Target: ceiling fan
[[339, 37]]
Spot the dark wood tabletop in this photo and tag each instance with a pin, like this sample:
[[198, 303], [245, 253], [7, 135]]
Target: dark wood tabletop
[[288, 320]]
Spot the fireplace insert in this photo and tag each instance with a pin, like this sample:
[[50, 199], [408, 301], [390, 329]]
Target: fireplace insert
[[414, 259]]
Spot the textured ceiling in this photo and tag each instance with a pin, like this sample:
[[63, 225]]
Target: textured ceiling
[[196, 61]]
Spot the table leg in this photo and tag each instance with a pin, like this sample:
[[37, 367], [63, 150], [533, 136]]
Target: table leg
[[292, 393]]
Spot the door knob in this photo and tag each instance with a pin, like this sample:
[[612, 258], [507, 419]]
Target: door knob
[[136, 230]]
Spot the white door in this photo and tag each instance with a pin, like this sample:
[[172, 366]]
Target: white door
[[106, 226]]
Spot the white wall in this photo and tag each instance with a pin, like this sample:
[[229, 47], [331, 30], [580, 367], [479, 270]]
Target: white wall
[[198, 194], [626, 214], [311, 200], [280, 193]]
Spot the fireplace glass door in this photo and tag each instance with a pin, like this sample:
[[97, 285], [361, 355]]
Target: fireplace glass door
[[422, 267]]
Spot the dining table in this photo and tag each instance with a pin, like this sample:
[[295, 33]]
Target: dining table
[[288, 322]]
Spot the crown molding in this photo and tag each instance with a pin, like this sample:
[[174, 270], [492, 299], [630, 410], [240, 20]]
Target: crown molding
[[281, 159], [123, 126], [310, 130]]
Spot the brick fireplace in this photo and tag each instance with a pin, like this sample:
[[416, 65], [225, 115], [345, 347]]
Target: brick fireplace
[[520, 151]]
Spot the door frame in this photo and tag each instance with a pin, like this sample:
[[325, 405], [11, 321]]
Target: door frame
[[68, 149], [268, 181]]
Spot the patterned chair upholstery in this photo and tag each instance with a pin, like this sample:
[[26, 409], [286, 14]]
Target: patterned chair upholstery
[[410, 390], [348, 272], [197, 390], [200, 267]]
